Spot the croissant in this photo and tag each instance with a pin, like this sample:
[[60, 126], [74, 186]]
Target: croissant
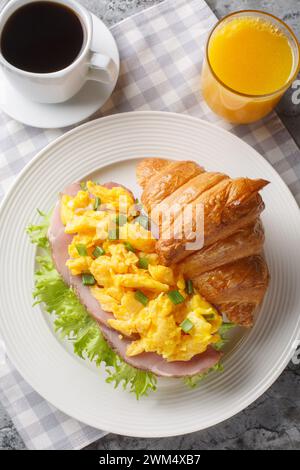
[[228, 267], [246, 241], [236, 289]]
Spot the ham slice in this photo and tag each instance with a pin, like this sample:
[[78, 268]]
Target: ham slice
[[157, 364], [59, 242], [152, 362]]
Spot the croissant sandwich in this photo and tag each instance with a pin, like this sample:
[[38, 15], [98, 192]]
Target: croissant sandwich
[[142, 305], [227, 265]]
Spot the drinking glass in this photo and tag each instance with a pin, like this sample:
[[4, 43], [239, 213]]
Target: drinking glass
[[239, 107]]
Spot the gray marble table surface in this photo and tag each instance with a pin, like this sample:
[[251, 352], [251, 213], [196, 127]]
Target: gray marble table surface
[[273, 421]]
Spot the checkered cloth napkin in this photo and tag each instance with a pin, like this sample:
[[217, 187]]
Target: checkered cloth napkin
[[161, 51]]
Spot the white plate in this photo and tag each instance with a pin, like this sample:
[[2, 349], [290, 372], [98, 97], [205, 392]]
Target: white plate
[[86, 102], [108, 148]]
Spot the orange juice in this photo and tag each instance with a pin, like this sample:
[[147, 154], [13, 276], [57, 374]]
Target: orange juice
[[250, 59]]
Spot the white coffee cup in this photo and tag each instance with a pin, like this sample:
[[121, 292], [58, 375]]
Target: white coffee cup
[[59, 86]]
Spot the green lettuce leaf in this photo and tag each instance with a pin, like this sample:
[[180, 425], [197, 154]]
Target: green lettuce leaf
[[73, 322], [38, 233], [194, 381]]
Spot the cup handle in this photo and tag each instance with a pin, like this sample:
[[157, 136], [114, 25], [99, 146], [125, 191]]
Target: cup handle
[[102, 68]]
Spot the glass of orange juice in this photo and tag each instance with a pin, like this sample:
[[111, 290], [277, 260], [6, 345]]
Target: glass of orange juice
[[251, 59]]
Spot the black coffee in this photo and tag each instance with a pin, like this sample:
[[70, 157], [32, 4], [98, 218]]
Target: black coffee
[[42, 37]]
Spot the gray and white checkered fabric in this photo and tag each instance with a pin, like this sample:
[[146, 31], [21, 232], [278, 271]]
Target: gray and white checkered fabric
[[161, 54], [40, 424]]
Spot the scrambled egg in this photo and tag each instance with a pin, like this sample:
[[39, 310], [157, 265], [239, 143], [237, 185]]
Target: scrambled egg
[[147, 300]]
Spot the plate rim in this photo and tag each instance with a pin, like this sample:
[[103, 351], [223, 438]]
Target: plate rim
[[116, 116], [285, 356]]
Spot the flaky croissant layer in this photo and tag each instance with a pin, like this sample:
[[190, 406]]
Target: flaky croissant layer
[[229, 268]]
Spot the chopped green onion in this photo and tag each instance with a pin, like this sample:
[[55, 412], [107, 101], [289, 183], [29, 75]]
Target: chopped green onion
[[97, 203], [136, 201], [143, 263], [189, 287], [88, 280], [129, 247], [141, 297], [226, 326], [186, 325], [219, 345], [175, 296], [98, 251], [113, 234], [81, 249], [83, 185], [143, 221], [208, 316], [121, 219]]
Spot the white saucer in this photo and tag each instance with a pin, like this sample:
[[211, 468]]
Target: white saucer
[[90, 98]]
